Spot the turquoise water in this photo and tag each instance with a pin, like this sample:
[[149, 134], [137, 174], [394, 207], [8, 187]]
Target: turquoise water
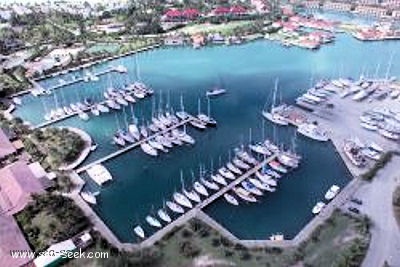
[[248, 71]]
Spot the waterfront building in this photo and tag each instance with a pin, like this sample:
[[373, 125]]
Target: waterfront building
[[177, 15], [312, 4], [6, 146], [337, 6], [261, 6], [374, 11], [17, 185], [391, 3], [12, 239], [396, 14]]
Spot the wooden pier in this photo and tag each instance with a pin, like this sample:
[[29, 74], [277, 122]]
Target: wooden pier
[[195, 210], [134, 145]]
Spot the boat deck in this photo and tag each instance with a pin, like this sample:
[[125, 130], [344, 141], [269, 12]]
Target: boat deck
[[134, 145], [196, 209]]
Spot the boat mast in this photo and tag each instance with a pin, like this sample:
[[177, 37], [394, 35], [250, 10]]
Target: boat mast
[[182, 106], [389, 67], [208, 107], [198, 106], [274, 95]]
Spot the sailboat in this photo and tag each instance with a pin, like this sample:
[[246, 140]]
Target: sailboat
[[192, 195], [182, 135], [274, 114], [174, 207], [182, 200], [216, 91], [183, 115], [226, 173], [132, 128], [206, 118], [148, 149], [139, 231], [164, 215], [153, 221], [231, 199]]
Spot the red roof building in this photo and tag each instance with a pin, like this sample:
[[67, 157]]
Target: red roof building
[[11, 239], [190, 13], [238, 10], [17, 184], [221, 10], [6, 147]]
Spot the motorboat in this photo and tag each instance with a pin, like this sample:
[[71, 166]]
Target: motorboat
[[153, 221], [89, 197], [231, 199], [99, 174], [233, 168], [148, 149], [272, 173], [312, 131], [219, 179], [388, 134], [332, 192], [215, 92], [239, 163], [164, 216], [192, 195], [318, 207], [251, 188], [182, 200], [209, 184], [174, 207], [129, 98], [226, 173], [368, 126], [200, 188], [139, 231], [244, 194], [103, 108]]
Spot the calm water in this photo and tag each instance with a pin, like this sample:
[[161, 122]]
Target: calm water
[[142, 183]]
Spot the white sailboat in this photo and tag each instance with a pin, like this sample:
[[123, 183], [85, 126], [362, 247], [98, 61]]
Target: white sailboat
[[164, 216], [139, 231], [274, 114], [175, 207], [244, 194], [226, 173], [153, 221], [148, 149], [206, 119], [231, 199], [182, 200], [183, 115], [219, 179], [192, 195]]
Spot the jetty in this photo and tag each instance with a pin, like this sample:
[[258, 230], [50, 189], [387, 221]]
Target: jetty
[[196, 209], [137, 144]]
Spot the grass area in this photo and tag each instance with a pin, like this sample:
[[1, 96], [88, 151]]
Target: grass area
[[49, 219], [396, 204], [224, 28], [341, 241], [103, 47]]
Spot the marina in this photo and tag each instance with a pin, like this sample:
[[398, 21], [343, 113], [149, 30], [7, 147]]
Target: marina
[[135, 173]]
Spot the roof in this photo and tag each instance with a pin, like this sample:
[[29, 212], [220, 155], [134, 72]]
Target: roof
[[17, 184], [11, 238], [56, 253], [6, 147]]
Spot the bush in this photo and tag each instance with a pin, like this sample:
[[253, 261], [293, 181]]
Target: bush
[[383, 160], [189, 250]]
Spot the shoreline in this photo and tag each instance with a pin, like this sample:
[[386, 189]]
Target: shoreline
[[85, 152]]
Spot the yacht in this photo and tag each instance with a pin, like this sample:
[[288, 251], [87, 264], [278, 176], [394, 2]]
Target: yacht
[[318, 207], [251, 188], [111, 104], [183, 115], [226, 173], [389, 134], [139, 231], [183, 136], [369, 126], [209, 184], [231, 199], [206, 119], [271, 146], [219, 179], [198, 124], [182, 200], [274, 115], [174, 207], [288, 159], [126, 136], [233, 168], [242, 165], [129, 98], [243, 194], [153, 128], [153, 221], [164, 216], [215, 92], [200, 188], [332, 192], [119, 140], [272, 173], [134, 131], [243, 155], [312, 131], [265, 178], [89, 197], [164, 141], [148, 149], [68, 110], [143, 131], [95, 111], [192, 195]]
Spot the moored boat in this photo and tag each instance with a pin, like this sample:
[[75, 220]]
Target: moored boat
[[164, 216], [182, 200], [139, 231], [231, 199], [175, 207], [153, 221]]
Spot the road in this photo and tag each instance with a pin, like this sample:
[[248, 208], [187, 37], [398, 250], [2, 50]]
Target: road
[[377, 198]]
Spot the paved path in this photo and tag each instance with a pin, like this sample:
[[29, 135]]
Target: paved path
[[377, 198]]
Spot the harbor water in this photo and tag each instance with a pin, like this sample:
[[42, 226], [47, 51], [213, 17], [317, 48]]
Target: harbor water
[[248, 72]]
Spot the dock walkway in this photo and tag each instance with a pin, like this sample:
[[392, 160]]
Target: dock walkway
[[196, 209], [134, 145]]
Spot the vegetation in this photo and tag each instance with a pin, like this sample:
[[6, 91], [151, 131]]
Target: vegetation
[[49, 219], [341, 241], [383, 160], [53, 146], [11, 84], [396, 204]]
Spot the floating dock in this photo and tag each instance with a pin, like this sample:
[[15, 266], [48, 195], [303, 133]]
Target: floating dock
[[193, 212], [134, 145]]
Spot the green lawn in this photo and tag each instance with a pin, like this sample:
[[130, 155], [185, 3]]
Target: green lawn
[[224, 28]]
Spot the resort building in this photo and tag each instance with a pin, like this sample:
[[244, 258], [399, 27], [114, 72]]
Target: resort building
[[311, 4], [108, 28], [6, 146], [17, 184], [390, 3], [371, 11], [12, 239], [177, 15], [337, 6], [396, 14], [261, 6]]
